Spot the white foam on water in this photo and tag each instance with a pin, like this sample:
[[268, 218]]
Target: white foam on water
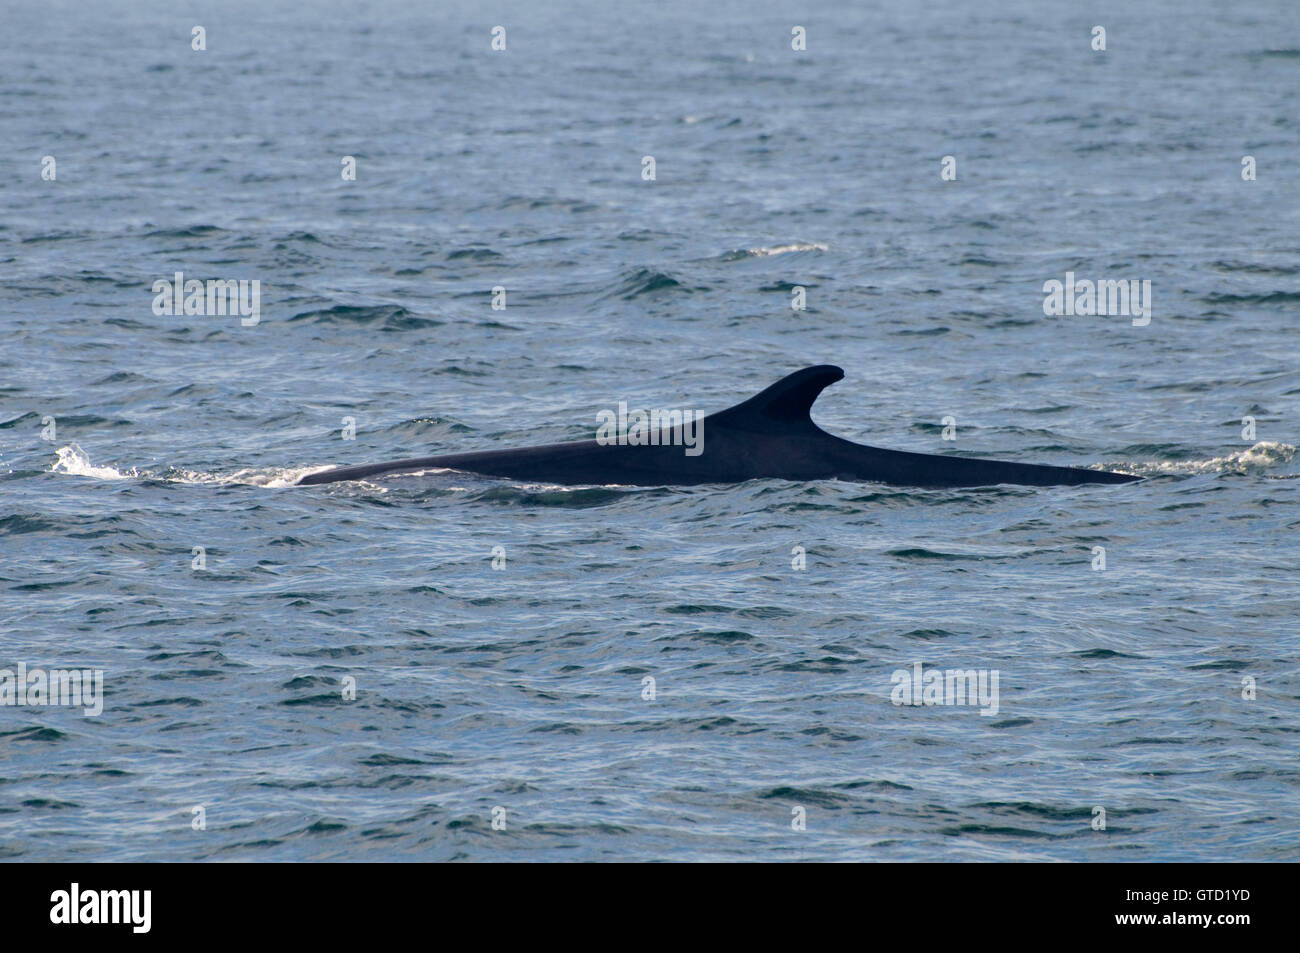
[[1262, 456], [74, 461], [764, 252], [273, 478]]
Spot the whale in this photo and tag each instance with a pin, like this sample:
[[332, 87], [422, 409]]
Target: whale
[[769, 436]]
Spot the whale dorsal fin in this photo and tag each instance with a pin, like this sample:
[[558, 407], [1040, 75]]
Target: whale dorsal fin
[[786, 403]]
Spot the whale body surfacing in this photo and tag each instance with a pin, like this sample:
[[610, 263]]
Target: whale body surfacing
[[771, 435]]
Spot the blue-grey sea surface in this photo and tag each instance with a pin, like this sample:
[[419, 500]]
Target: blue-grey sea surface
[[647, 674]]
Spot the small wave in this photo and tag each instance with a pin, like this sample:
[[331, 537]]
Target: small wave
[[386, 317], [300, 236], [476, 253], [921, 553], [1255, 268], [646, 281], [1272, 297], [1261, 456], [19, 525], [571, 497], [194, 231]]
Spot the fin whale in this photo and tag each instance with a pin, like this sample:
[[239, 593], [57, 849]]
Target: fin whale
[[769, 435]]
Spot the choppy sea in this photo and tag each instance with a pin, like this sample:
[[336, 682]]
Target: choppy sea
[[456, 667]]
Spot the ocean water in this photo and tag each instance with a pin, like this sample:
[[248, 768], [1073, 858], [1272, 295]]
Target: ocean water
[[645, 674]]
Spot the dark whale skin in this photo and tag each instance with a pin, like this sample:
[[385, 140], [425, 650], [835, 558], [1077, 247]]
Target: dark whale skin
[[769, 436]]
